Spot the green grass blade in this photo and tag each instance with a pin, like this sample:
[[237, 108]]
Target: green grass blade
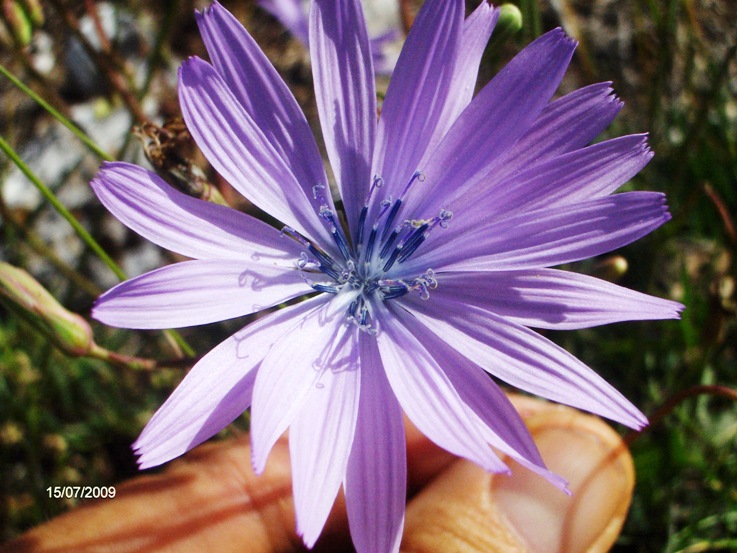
[[86, 140]]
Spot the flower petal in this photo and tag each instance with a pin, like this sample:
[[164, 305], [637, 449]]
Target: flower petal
[[524, 359], [376, 479], [498, 115], [240, 151], [566, 124], [262, 92], [215, 392], [320, 440], [549, 298], [185, 225], [197, 292], [500, 423], [544, 237], [346, 96], [425, 393], [476, 32], [291, 371], [580, 175], [382, 53], [291, 14], [417, 93]]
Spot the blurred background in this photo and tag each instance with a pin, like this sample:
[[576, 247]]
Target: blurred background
[[67, 418]]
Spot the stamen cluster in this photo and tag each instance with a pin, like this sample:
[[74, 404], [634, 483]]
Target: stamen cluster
[[368, 269]]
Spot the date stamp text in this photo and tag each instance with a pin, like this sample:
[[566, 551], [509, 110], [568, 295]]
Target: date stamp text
[[81, 492]]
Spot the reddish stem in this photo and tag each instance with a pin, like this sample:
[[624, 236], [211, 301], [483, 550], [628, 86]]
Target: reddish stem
[[676, 399]]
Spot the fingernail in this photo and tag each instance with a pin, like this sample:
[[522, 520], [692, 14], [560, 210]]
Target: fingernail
[[598, 467]]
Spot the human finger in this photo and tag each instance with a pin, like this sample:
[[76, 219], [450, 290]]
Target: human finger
[[467, 509], [210, 500]]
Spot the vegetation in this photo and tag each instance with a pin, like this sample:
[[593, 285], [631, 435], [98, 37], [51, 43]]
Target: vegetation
[[70, 420]]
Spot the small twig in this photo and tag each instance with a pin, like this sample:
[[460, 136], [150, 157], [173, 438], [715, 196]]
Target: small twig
[[157, 53], [405, 13], [126, 361], [676, 399], [704, 102], [107, 62], [718, 202], [91, 9]]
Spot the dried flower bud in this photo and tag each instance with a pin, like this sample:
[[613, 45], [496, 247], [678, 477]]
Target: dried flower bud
[[34, 11], [611, 268], [169, 150], [21, 293], [17, 22]]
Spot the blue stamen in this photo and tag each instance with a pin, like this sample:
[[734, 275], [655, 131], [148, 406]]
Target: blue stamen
[[341, 242], [322, 257], [390, 218], [331, 272], [361, 223], [395, 290], [304, 260], [416, 176], [413, 242], [364, 316], [371, 242], [339, 238], [390, 242], [377, 182], [327, 215], [294, 235], [358, 314], [325, 288], [406, 246], [361, 272], [422, 232], [392, 258]]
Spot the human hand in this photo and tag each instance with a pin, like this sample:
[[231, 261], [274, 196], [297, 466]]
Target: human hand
[[210, 500]]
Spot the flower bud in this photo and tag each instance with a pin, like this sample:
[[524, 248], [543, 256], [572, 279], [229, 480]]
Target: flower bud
[[508, 24], [510, 19], [611, 268], [22, 294]]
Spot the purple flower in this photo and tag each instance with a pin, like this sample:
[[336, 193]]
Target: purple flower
[[293, 14], [409, 310]]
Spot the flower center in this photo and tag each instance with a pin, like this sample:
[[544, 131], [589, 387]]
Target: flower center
[[369, 270]]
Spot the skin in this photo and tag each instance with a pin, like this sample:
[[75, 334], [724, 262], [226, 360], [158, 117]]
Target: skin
[[210, 500]]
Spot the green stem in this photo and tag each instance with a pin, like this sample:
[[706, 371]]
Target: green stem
[[86, 140], [62, 210], [38, 245], [127, 361], [172, 335]]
